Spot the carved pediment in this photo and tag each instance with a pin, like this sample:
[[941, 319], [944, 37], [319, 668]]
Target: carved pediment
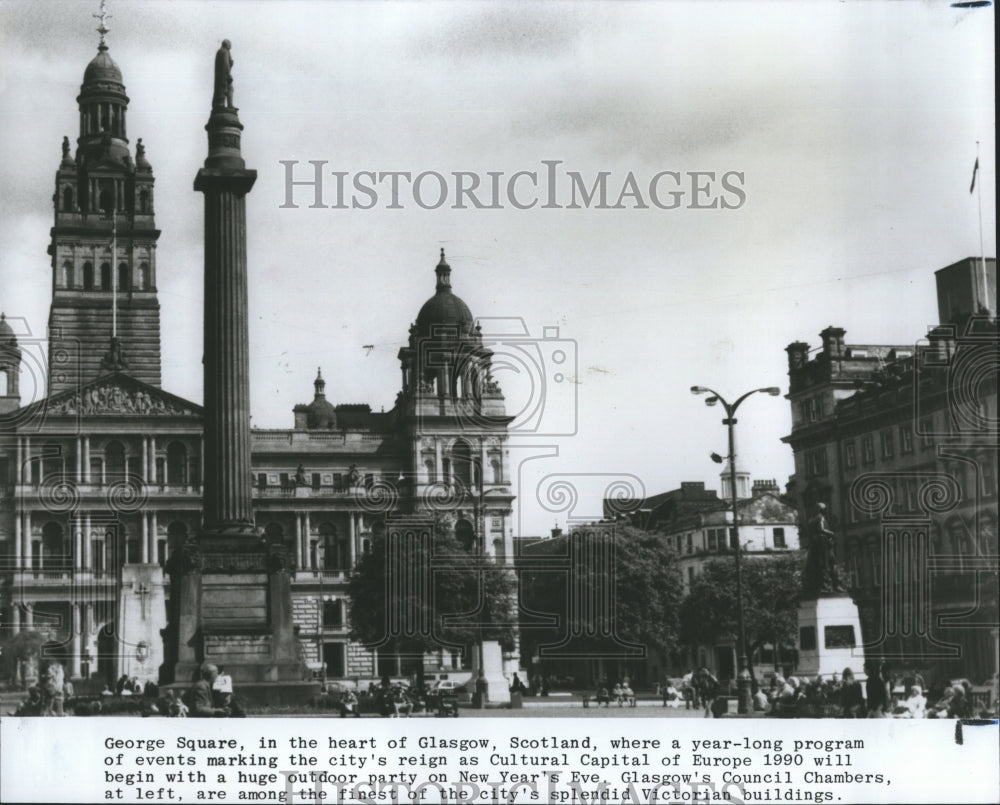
[[120, 395]]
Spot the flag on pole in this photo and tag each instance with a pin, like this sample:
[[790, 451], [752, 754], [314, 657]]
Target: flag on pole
[[975, 170]]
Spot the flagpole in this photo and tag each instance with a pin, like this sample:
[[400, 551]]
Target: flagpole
[[982, 251]]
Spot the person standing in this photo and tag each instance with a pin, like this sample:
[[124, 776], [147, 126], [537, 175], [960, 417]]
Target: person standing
[[878, 691], [222, 689]]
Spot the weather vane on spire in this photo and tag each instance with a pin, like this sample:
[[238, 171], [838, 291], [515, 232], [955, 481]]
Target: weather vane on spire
[[103, 16]]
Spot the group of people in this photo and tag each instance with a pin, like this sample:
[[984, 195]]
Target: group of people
[[48, 695], [620, 693], [883, 695]]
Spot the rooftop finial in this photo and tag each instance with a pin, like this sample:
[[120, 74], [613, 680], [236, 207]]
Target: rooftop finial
[[443, 272], [103, 29], [319, 383]]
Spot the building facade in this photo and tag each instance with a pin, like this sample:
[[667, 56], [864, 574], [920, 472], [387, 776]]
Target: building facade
[[697, 523], [899, 442], [103, 468]]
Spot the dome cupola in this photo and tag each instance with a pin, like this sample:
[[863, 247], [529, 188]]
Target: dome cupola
[[444, 315]]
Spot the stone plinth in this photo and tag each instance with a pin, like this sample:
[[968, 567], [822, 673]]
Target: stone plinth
[[142, 614], [234, 609], [492, 665], [829, 638]]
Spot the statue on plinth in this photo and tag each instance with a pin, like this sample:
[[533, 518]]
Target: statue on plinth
[[820, 576], [223, 96]]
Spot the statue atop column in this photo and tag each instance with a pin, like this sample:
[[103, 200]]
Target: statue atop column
[[820, 576], [223, 96]]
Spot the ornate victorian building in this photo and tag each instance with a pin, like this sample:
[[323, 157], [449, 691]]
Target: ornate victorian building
[[900, 444], [106, 470]]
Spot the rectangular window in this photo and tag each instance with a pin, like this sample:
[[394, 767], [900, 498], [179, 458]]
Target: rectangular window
[[712, 542], [807, 638], [779, 538], [867, 449], [338, 481], [839, 636], [885, 442], [315, 480], [690, 577], [262, 479], [989, 478], [850, 455], [926, 430], [905, 439], [690, 546], [816, 462], [284, 480]]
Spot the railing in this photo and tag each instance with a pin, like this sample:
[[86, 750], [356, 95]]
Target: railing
[[307, 491]]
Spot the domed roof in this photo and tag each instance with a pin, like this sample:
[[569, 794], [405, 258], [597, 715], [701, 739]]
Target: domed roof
[[7, 337], [102, 68], [444, 309]]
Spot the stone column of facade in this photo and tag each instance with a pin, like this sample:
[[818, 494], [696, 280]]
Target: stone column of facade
[[307, 541], [79, 459], [352, 542], [18, 542], [18, 472], [15, 617], [144, 516], [26, 536], [438, 463], [86, 459], [152, 460], [77, 650], [154, 531], [88, 547], [77, 526], [298, 541], [29, 616]]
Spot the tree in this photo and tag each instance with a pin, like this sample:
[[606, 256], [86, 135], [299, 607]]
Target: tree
[[469, 597], [646, 586], [770, 602], [25, 646]]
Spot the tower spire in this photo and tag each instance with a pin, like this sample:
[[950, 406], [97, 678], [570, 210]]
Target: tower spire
[[103, 29], [443, 272]]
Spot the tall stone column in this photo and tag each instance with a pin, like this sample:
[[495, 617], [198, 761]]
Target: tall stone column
[[231, 598], [225, 181]]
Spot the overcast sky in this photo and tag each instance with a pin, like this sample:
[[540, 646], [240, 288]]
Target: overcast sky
[[854, 126]]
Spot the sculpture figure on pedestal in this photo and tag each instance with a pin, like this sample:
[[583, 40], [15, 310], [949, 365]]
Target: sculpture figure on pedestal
[[820, 576]]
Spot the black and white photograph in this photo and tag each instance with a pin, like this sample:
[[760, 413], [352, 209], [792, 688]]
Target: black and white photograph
[[498, 401]]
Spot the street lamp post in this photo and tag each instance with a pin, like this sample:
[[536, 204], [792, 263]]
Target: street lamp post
[[745, 677]]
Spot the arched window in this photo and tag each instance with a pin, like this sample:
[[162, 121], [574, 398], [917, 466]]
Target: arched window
[[88, 276], [67, 274], [337, 549], [67, 204], [176, 463], [429, 467], [123, 278], [114, 456], [461, 455], [495, 466], [144, 282], [54, 552], [144, 202], [105, 276], [104, 201], [4, 384]]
